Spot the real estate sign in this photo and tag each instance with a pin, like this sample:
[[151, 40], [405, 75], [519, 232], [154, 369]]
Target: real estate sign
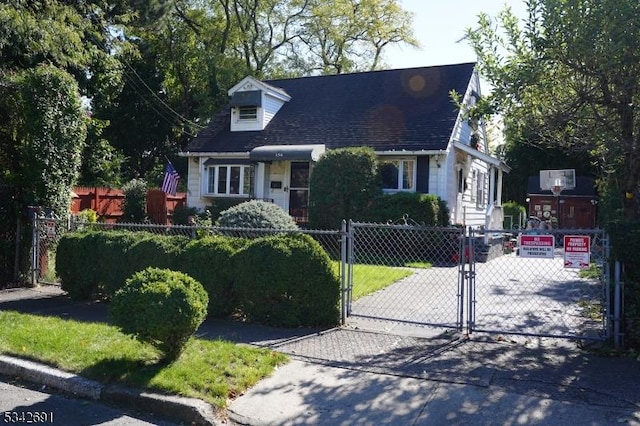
[[577, 249], [540, 246]]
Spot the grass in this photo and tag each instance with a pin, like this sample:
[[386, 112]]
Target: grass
[[211, 370], [368, 279]]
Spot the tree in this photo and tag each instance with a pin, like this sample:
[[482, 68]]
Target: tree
[[41, 154], [350, 35], [573, 75], [343, 185]]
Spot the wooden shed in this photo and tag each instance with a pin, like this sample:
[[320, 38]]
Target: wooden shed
[[571, 209]]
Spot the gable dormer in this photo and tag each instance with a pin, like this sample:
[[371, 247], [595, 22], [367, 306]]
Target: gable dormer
[[253, 104]]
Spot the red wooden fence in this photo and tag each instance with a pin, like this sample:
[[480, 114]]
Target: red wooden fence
[[107, 202]]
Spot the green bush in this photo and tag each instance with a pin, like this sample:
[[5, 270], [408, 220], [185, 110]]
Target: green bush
[[208, 260], [134, 206], [516, 211], [87, 216], [421, 209], [76, 265], [257, 214], [342, 186], [181, 215], [160, 307], [625, 247], [288, 281], [96, 263]]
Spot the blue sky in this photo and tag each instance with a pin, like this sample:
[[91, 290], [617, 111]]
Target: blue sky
[[439, 24]]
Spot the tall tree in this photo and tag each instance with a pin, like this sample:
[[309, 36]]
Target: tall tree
[[573, 74]]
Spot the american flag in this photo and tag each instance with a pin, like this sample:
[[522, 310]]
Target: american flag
[[170, 181]]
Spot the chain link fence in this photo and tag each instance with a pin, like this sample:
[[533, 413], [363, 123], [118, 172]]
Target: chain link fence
[[538, 290], [427, 276], [405, 273], [48, 230]]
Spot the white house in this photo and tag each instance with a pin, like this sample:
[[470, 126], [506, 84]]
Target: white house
[[264, 143]]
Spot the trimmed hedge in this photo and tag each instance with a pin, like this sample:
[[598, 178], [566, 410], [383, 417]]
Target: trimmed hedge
[[97, 263], [160, 307], [287, 281], [208, 261], [423, 209]]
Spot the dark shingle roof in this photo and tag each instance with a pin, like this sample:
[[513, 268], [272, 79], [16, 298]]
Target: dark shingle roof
[[406, 109]]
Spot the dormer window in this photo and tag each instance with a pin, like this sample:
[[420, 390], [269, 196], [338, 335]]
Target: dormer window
[[254, 104], [247, 113]]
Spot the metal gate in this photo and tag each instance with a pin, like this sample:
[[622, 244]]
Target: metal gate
[[474, 280], [554, 283], [424, 265]]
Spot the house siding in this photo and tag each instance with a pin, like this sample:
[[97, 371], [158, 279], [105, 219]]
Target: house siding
[[194, 185], [271, 107]]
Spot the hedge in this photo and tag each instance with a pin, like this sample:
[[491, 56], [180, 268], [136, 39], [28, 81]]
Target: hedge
[[96, 264]]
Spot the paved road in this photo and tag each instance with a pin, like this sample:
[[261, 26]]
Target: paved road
[[23, 405]]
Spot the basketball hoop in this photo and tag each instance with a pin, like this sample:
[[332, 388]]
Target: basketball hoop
[[556, 189]]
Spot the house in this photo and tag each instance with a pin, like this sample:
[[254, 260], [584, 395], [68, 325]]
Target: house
[[264, 143], [572, 208]]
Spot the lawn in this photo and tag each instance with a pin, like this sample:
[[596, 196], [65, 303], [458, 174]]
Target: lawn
[[211, 370], [368, 279]]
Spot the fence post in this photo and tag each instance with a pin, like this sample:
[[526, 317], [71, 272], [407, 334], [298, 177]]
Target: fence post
[[350, 244], [35, 248], [343, 272], [617, 305]]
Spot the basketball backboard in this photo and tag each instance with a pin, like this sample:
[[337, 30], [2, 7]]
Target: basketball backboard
[[550, 180]]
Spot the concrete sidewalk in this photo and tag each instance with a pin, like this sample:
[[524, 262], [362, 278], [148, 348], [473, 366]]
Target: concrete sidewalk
[[351, 376]]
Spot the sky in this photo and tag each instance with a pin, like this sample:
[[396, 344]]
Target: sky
[[439, 26]]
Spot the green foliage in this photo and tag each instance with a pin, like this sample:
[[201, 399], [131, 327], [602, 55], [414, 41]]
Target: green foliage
[[625, 247], [288, 281], [219, 205], [41, 142], [343, 185], [257, 214], [516, 211], [421, 209], [134, 206], [208, 260], [160, 307], [87, 216], [182, 214]]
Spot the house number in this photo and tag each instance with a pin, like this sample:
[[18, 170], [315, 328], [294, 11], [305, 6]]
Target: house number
[[279, 155]]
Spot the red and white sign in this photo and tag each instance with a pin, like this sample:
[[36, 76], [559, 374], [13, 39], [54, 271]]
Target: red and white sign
[[577, 249], [540, 246]]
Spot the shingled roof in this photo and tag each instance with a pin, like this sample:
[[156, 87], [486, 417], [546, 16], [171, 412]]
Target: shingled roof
[[407, 109]]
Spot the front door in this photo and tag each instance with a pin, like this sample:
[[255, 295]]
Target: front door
[[299, 191]]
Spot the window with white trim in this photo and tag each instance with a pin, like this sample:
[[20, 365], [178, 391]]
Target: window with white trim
[[247, 113], [229, 180], [398, 174]]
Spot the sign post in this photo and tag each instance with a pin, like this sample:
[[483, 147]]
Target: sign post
[[577, 250], [540, 246]]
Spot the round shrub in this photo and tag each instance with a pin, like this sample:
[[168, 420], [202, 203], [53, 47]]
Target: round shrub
[[160, 307], [288, 281], [257, 214]]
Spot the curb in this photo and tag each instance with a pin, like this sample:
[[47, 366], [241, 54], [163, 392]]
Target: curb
[[191, 410]]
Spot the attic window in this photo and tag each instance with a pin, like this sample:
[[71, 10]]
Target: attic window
[[246, 113]]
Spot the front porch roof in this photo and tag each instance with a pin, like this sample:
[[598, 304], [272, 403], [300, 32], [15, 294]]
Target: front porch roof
[[287, 152]]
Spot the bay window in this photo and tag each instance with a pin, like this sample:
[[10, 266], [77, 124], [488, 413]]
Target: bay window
[[229, 180]]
